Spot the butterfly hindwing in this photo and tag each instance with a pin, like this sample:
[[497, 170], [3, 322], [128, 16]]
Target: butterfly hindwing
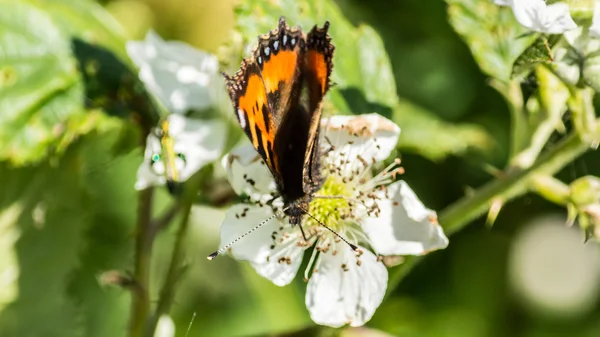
[[318, 65]]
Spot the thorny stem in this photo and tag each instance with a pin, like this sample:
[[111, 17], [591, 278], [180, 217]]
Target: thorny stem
[[167, 293], [512, 185], [514, 98], [140, 304]]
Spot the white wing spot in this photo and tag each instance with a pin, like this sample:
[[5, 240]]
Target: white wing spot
[[284, 40], [241, 118], [275, 45], [259, 59], [267, 51], [293, 41]]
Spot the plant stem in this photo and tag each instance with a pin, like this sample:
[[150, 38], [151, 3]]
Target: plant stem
[[167, 293], [512, 185], [140, 304]]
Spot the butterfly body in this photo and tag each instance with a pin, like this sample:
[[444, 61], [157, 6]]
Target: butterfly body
[[277, 96]]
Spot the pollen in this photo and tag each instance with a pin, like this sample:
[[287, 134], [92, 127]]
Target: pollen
[[331, 204]]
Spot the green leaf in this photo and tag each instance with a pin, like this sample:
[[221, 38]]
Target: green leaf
[[361, 64], [42, 95], [376, 69], [50, 231], [427, 135], [35, 70], [492, 33], [87, 20]]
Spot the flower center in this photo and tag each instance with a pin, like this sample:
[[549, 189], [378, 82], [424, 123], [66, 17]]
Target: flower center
[[330, 205]]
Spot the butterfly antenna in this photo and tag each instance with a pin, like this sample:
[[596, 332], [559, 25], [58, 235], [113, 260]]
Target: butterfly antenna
[[224, 248], [354, 247]]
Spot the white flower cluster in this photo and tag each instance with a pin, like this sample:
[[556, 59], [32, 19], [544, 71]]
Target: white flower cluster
[[555, 18], [181, 78]]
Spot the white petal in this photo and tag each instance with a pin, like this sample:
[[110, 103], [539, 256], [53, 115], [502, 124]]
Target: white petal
[[537, 16], [595, 27], [277, 260], [248, 174], [200, 141], [165, 327], [404, 226], [503, 2], [370, 136], [178, 75], [336, 296], [150, 174]]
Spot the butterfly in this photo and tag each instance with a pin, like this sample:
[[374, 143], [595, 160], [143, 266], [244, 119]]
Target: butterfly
[[277, 96]]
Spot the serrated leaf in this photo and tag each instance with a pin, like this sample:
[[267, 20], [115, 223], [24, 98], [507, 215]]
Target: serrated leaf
[[35, 69], [427, 135], [492, 33], [360, 60], [41, 91]]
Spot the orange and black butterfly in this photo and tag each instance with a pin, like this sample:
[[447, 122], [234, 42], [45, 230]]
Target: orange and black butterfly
[[278, 96]]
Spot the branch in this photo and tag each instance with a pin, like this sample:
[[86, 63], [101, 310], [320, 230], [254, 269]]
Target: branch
[[167, 293], [512, 185], [140, 304]]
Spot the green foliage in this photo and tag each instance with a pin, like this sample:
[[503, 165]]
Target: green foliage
[[41, 90], [492, 33], [67, 171]]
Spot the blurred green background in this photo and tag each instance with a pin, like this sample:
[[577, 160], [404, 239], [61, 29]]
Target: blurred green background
[[70, 217]]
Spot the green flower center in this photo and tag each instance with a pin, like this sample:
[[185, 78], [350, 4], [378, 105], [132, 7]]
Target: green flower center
[[330, 205]]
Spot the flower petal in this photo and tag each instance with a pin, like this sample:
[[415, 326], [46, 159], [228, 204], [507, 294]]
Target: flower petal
[[248, 174], [165, 327], [343, 292], [199, 141], [273, 249], [595, 27], [404, 226], [181, 77], [371, 136], [149, 173], [539, 17]]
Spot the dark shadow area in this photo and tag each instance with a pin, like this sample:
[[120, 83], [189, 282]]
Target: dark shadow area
[[112, 86], [358, 103]]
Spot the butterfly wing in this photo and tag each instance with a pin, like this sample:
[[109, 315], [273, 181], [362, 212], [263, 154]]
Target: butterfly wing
[[264, 91], [316, 71]]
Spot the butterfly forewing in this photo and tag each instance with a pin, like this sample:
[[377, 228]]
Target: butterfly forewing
[[283, 128], [251, 106]]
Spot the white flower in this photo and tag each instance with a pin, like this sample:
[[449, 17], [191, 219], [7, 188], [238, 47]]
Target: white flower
[[595, 27], [344, 287], [195, 144], [165, 327], [181, 77], [537, 16]]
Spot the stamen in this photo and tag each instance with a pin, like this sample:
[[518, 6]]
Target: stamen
[[331, 230], [310, 263]]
